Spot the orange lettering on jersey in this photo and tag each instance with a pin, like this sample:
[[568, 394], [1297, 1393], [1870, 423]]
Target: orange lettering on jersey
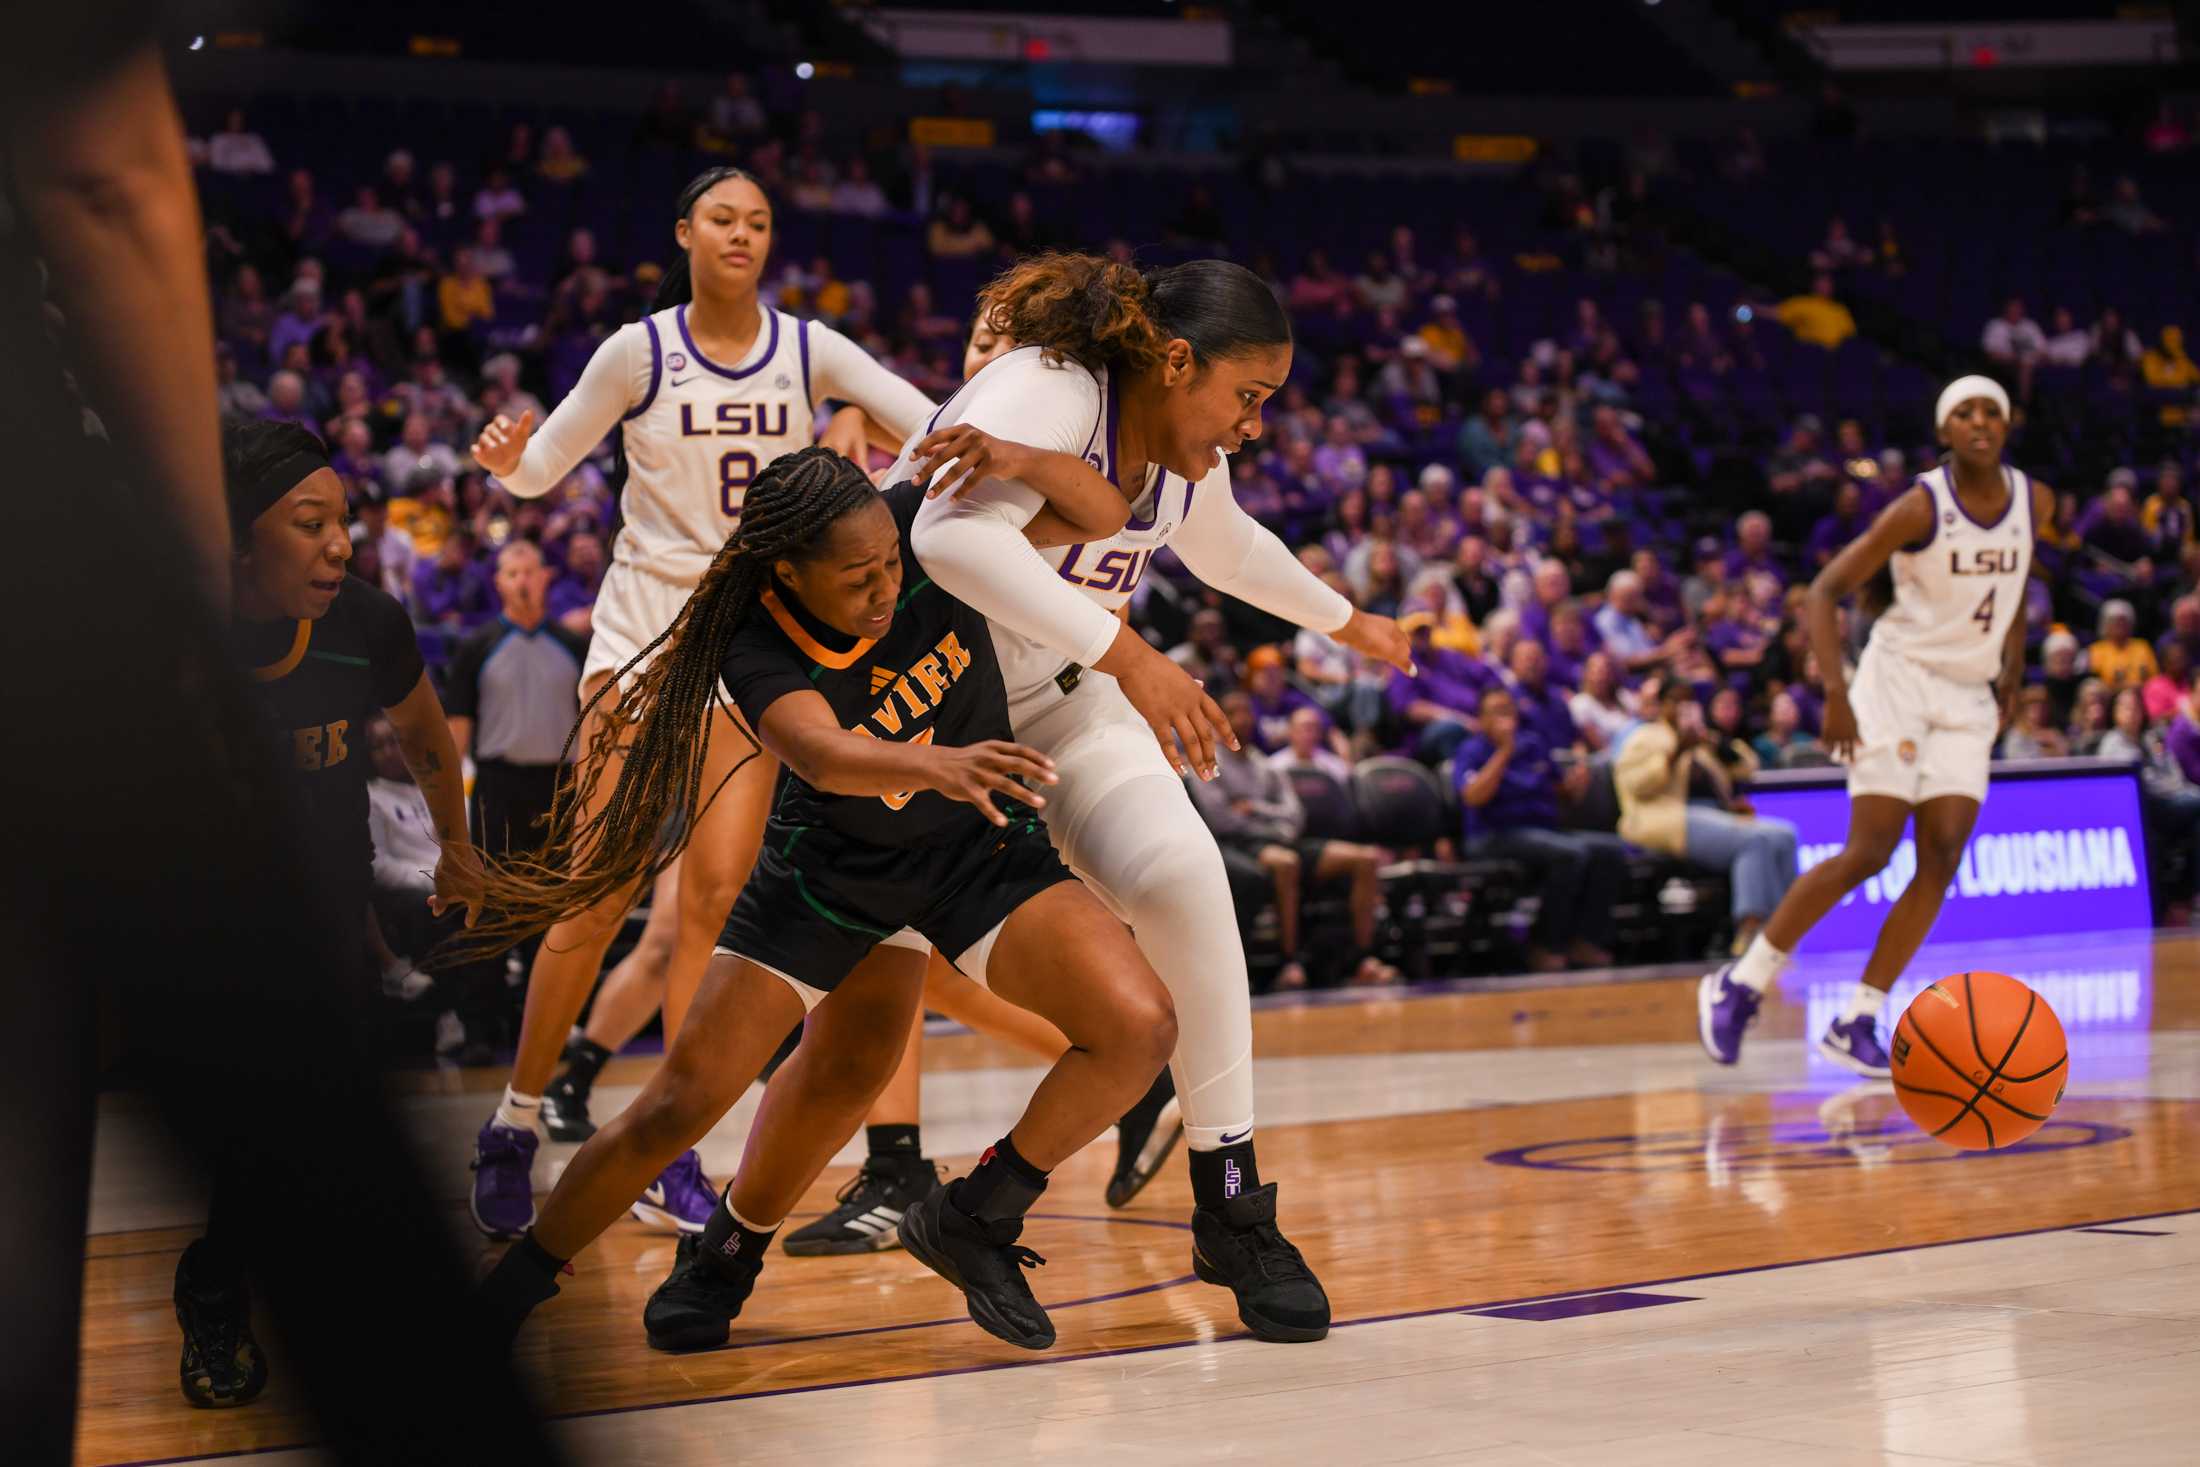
[[958, 661], [305, 747], [338, 750], [896, 801], [927, 672], [916, 705], [889, 717]]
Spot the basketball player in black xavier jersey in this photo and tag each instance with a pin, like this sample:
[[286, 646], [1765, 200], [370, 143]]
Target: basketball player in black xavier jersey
[[323, 651], [903, 805]]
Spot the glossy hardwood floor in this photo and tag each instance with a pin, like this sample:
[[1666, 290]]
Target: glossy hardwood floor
[[1438, 1153]]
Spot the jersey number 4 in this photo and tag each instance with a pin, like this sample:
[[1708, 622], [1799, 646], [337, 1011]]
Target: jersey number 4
[[895, 802], [1984, 616], [736, 470]]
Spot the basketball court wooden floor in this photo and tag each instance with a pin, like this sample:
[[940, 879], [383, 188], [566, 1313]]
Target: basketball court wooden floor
[[1551, 1231]]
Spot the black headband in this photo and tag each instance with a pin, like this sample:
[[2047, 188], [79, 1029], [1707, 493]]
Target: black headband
[[253, 493]]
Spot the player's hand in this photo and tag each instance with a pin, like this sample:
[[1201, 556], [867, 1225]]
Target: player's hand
[[957, 458], [975, 773], [503, 441], [1378, 637], [845, 435], [1839, 735], [1176, 707], [458, 881]]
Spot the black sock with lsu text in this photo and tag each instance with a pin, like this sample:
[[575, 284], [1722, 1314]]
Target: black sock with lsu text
[[1223, 1173], [1001, 1186], [727, 1239]]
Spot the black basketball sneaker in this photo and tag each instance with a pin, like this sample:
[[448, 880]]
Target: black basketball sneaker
[[565, 1102], [223, 1364], [870, 1210], [984, 1260], [1144, 1138], [1239, 1246], [694, 1308]]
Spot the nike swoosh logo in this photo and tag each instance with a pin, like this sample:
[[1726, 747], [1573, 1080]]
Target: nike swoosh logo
[[1240, 1136], [654, 1194], [682, 381]]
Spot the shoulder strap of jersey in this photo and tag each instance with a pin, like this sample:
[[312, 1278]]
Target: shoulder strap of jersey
[[656, 370]]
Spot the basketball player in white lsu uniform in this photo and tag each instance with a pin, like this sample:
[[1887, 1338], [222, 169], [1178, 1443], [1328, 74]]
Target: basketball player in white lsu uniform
[[1120, 815], [1935, 686], [697, 429]]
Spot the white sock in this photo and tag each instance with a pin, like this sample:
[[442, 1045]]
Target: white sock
[[519, 1112], [1864, 1003], [1759, 964], [753, 1227]]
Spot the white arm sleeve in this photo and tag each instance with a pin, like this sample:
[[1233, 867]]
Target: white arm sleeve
[[614, 380], [842, 370], [1234, 553], [973, 546]]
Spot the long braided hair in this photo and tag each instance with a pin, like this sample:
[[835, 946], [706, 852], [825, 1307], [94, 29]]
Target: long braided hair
[[662, 719]]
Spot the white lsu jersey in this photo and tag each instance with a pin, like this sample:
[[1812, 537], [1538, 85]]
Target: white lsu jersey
[[1106, 571], [699, 434], [1956, 595]]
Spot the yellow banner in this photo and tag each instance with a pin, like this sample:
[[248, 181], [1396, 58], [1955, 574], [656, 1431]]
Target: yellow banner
[[1475, 147], [951, 132]]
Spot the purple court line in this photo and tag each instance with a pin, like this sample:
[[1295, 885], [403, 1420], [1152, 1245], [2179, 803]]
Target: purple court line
[[2127, 1232], [1582, 1305], [1128, 1350]]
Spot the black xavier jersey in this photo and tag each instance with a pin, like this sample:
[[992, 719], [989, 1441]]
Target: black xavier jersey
[[932, 678], [317, 683]]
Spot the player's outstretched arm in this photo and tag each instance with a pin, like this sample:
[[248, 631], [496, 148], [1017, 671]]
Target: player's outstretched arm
[[1907, 521], [1080, 504], [802, 732]]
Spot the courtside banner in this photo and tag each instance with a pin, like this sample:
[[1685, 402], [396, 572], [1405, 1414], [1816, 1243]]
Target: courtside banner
[[2059, 851]]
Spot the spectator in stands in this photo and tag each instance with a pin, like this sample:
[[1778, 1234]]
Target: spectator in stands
[[2128, 212], [1487, 439], [2166, 368], [1272, 698], [1652, 777], [1379, 287], [239, 396], [2170, 799], [2060, 674], [1450, 350], [1839, 250], [2014, 342], [406, 850], [2114, 343], [1616, 461], [1436, 704], [1254, 813], [393, 549], [2167, 515], [246, 314], [1841, 525], [1539, 701], [2118, 658], [1472, 580], [416, 451], [448, 591], [1752, 553], [1599, 709], [734, 114], [445, 216], [300, 320], [2068, 345], [1308, 740], [237, 150], [464, 299], [1802, 479], [2089, 721], [1508, 781], [956, 233], [858, 193], [2035, 734], [1817, 317], [369, 222], [286, 401], [561, 164], [1784, 741], [573, 596], [498, 198]]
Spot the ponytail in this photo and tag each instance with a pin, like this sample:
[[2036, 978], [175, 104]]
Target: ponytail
[[1101, 313]]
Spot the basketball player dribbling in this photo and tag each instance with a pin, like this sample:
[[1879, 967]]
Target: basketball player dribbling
[[707, 391], [1935, 686]]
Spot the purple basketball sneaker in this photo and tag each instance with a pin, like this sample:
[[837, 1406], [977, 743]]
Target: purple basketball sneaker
[[680, 1199], [1854, 1044], [504, 1180], [1724, 1008]]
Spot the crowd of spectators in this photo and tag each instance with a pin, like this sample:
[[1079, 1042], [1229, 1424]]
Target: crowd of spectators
[[1522, 512]]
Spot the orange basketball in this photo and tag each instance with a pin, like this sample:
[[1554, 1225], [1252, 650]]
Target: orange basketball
[[1979, 1060]]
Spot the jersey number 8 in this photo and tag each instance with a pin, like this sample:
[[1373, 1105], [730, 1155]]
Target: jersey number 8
[[736, 470]]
